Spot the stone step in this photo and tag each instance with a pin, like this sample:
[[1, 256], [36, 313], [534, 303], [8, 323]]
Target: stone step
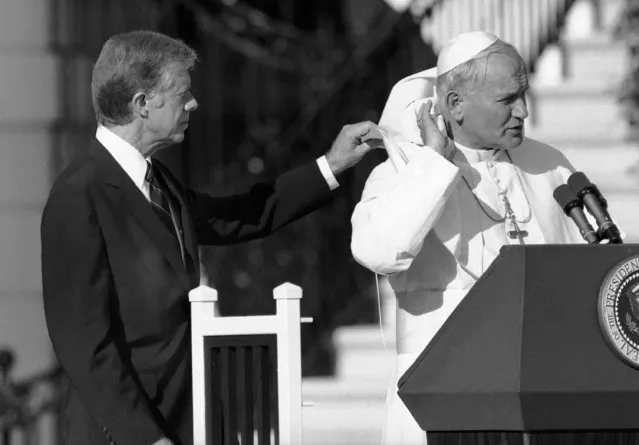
[[362, 354], [582, 105], [574, 112], [365, 336], [363, 388], [349, 408], [624, 210], [596, 59], [343, 422], [559, 139], [613, 167]]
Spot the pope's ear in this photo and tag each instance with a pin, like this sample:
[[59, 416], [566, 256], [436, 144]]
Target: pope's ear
[[454, 103]]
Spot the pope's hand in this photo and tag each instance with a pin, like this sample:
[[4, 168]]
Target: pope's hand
[[433, 130], [351, 144]]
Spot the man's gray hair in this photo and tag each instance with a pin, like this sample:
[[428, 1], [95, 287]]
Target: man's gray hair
[[463, 77], [134, 62]]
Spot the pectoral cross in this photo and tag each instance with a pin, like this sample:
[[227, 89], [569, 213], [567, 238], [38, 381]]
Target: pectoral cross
[[516, 232]]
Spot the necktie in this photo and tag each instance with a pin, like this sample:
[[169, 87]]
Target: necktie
[[163, 205]]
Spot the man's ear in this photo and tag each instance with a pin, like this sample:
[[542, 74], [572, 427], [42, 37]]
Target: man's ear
[[455, 105], [140, 105]]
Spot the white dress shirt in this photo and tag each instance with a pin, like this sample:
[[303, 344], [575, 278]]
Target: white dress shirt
[[135, 165]]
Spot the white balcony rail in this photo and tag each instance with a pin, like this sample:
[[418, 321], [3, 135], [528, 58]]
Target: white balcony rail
[[233, 388], [529, 25]]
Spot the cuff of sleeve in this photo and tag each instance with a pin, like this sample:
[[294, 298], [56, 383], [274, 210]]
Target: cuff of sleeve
[[322, 163], [424, 158]]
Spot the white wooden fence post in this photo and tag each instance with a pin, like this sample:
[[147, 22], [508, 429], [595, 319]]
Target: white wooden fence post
[[289, 363], [203, 309]]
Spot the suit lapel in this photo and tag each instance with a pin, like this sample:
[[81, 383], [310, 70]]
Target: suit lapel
[[132, 201]]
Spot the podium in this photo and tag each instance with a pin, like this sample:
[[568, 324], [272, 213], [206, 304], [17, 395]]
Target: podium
[[535, 353]]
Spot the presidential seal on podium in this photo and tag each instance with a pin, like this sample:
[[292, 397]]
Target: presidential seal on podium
[[618, 310]]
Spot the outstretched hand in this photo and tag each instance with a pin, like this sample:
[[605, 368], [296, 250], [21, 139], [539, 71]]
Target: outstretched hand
[[433, 129], [351, 144]]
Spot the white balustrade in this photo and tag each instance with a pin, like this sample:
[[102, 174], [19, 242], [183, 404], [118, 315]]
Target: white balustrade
[[529, 25]]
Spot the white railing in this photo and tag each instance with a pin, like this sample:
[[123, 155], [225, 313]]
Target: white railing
[[529, 25], [285, 418]]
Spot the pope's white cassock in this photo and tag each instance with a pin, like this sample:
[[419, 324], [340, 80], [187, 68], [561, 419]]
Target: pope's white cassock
[[434, 225]]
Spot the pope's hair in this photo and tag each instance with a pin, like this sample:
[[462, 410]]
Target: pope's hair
[[463, 78]]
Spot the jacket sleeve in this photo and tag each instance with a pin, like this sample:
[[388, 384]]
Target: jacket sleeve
[[398, 209], [80, 304], [260, 211]]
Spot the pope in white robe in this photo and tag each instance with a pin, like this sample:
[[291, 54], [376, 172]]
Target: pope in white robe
[[433, 220]]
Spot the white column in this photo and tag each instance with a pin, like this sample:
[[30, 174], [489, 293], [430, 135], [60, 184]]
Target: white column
[[29, 76], [29, 104]]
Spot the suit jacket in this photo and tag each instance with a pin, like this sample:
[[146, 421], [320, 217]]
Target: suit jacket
[[115, 290]]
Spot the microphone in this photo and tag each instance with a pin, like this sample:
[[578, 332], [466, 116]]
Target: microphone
[[597, 206], [573, 207]]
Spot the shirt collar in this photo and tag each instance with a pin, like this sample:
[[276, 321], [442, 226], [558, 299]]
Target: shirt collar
[[474, 156], [129, 158]]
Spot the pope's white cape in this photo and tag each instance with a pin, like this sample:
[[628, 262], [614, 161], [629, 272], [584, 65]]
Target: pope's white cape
[[414, 213]]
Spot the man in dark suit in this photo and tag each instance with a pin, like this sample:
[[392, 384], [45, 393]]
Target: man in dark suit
[[119, 246]]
